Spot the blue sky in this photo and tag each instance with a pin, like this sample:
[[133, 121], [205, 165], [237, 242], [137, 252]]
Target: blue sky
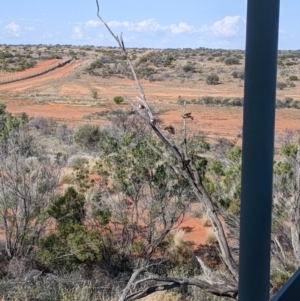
[[144, 23]]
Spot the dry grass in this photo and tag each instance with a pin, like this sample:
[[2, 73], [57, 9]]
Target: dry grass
[[210, 237], [178, 239], [181, 250], [66, 178], [205, 221]]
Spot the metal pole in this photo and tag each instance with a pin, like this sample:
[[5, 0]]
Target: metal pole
[[258, 148]]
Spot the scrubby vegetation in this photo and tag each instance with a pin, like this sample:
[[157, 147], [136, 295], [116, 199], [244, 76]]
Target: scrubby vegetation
[[82, 208], [15, 62], [79, 217]]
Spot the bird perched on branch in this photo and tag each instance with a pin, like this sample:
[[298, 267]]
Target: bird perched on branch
[[170, 129], [187, 115], [141, 107]]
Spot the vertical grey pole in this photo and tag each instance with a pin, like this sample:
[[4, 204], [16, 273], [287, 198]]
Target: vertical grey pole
[[258, 148]]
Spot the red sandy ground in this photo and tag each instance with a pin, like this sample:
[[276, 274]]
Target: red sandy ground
[[213, 121]]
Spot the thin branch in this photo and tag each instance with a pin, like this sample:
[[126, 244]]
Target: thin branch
[[188, 169]]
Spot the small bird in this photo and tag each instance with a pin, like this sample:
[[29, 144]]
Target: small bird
[[170, 129], [187, 115], [141, 107]]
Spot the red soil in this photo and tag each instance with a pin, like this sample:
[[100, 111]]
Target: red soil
[[213, 121]]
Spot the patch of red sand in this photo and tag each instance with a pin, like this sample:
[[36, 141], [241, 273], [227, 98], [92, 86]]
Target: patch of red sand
[[73, 90], [194, 231], [68, 113]]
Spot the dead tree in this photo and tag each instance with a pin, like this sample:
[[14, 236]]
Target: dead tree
[[185, 168]]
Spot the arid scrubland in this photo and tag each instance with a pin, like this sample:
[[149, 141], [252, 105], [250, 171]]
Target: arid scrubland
[[86, 199]]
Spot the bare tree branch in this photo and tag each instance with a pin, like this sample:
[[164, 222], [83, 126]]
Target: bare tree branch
[[170, 283], [188, 170], [130, 283]]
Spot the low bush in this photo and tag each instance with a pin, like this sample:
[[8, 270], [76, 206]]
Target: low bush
[[64, 133], [210, 237], [188, 68], [231, 61], [118, 99], [238, 74], [46, 126], [293, 78], [94, 94], [281, 85], [212, 79], [87, 135], [70, 244]]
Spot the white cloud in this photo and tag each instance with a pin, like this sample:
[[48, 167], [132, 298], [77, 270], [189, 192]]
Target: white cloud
[[152, 25], [92, 23], [229, 26], [77, 33], [182, 28], [13, 28], [146, 25], [29, 28]]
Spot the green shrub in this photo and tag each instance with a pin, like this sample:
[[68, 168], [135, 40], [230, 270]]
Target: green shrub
[[295, 104], [118, 99], [70, 243], [279, 278], [289, 150], [212, 79], [94, 94], [145, 72], [188, 68], [238, 74], [293, 78], [234, 154], [288, 100], [231, 61], [281, 85], [87, 135], [236, 102], [289, 63], [5, 54], [234, 207], [217, 167], [56, 56], [168, 61]]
